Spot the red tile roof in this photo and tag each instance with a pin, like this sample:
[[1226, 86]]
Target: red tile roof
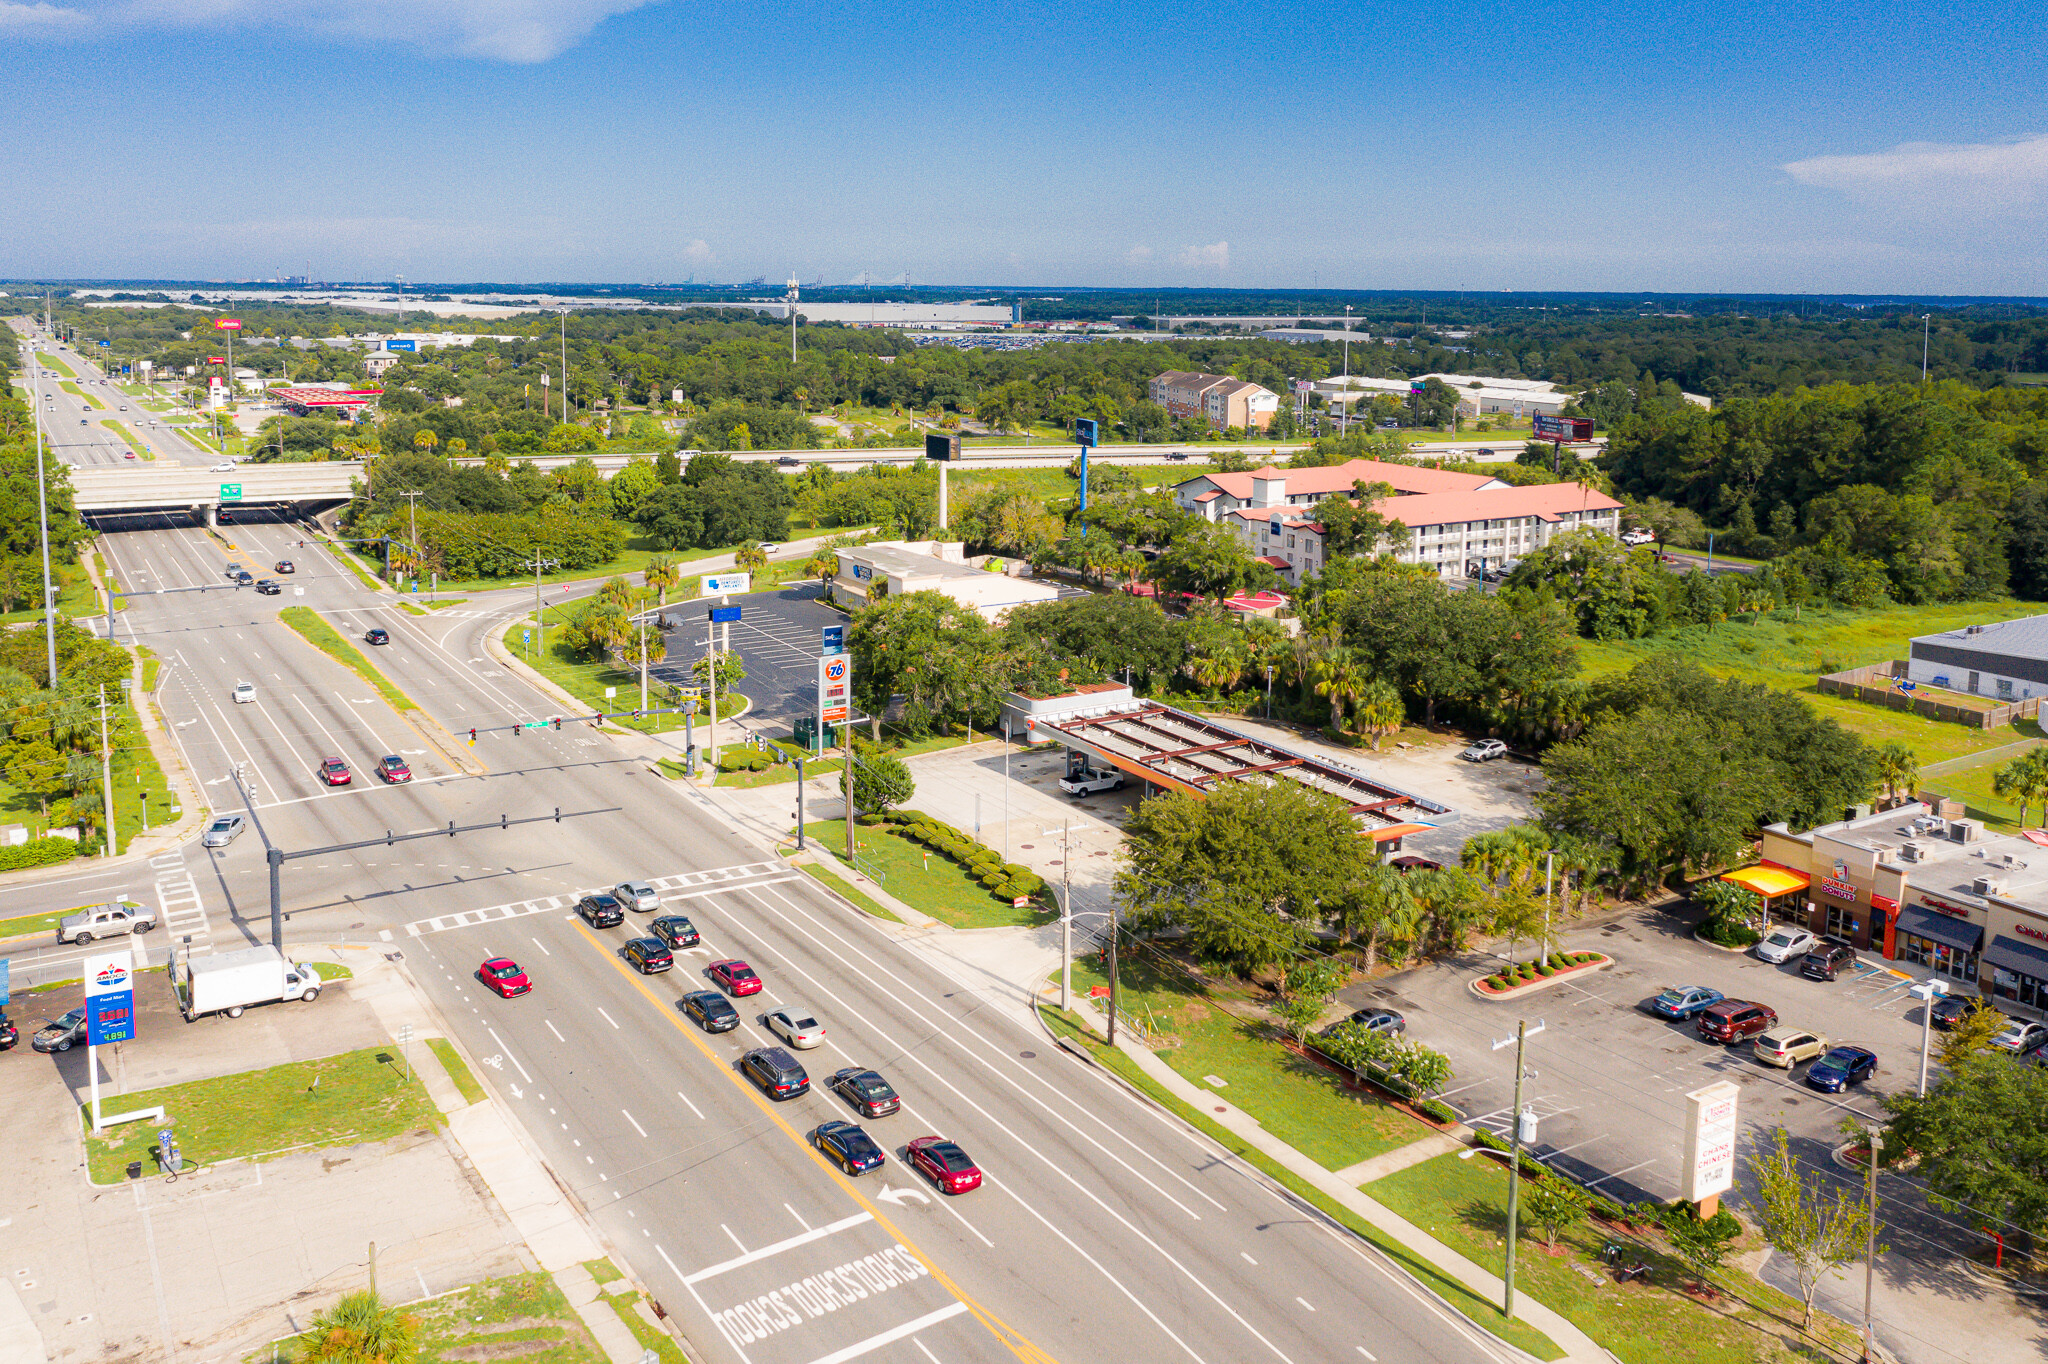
[[1546, 501], [1337, 478]]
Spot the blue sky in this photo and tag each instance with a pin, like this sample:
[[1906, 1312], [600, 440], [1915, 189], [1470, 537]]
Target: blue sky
[[1484, 144]]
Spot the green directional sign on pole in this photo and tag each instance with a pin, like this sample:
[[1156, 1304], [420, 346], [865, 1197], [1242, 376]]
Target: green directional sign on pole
[[231, 492]]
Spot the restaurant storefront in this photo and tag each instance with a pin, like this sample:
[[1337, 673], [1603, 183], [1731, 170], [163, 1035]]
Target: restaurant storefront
[[2019, 969], [1939, 936]]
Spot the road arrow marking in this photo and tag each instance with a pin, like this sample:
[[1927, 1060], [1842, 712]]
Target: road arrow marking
[[890, 1194]]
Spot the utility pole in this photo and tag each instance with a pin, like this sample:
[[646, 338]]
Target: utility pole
[[846, 779], [107, 772], [1112, 972], [412, 514], [1870, 1246], [711, 728], [1066, 916], [540, 627], [1926, 323], [792, 318], [565, 365], [1525, 1128]]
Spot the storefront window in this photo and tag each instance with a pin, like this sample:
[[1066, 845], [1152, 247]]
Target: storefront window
[[1844, 921], [1939, 957], [2025, 990]]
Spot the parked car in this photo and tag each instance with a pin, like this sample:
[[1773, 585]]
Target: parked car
[[334, 772], [776, 1072], [9, 1034], [1734, 1019], [224, 830], [711, 1010], [1840, 1068], [1373, 1020], [1828, 959], [866, 1091], [736, 976], [503, 977], [1485, 751], [377, 635], [393, 769], [674, 930], [61, 1034], [117, 919], [796, 1026], [1683, 1001], [2020, 1035], [647, 955], [1089, 781], [601, 911], [851, 1149], [1950, 1010], [1787, 1047], [1785, 942], [1638, 535], [637, 895], [944, 1164]]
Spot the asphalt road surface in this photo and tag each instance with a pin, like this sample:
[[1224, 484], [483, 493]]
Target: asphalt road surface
[[1104, 1231], [83, 421]]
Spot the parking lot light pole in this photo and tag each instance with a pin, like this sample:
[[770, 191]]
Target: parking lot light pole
[[1520, 1042], [1927, 991], [1870, 1245]]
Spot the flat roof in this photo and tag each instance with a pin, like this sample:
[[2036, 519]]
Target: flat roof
[[2026, 637], [327, 397], [1944, 867], [1186, 752]]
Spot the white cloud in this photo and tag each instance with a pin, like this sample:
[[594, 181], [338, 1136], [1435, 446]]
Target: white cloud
[[1216, 255], [1138, 254], [1984, 177], [39, 16], [498, 30], [698, 250]]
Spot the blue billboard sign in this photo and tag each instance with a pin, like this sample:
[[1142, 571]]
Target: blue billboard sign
[[402, 345], [835, 639], [6, 969]]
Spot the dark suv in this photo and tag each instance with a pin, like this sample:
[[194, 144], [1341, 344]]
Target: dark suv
[[1827, 958], [601, 911], [776, 1072], [1734, 1019]]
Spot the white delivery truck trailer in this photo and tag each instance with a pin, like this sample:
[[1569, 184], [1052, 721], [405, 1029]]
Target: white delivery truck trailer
[[229, 982]]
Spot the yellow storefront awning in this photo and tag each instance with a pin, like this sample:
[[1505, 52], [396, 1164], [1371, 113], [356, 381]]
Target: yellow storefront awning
[[1768, 881]]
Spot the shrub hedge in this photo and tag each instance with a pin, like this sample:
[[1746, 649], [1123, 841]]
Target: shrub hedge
[[38, 852], [1004, 880]]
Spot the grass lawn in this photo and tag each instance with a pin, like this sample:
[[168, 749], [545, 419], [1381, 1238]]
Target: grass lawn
[[586, 681], [75, 391], [639, 549], [1972, 786], [329, 641], [1463, 1203], [660, 1342], [356, 1096], [1294, 1099], [522, 1317], [330, 971], [24, 924], [936, 885], [458, 1070], [840, 888], [76, 595], [1481, 1312]]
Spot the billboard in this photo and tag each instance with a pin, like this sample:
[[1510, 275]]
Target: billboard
[[109, 997], [835, 689], [1710, 1132], [229, 324], [942, 445], [396, 344], [725, 584], [1552, 428]]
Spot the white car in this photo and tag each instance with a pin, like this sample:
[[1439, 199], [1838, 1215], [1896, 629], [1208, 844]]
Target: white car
[[224, 830], [1785, 943], [637, 895], [2020, 1035], [1638, 536], [1485, 751], [768, 548], [245, 692], [796, 1027], [226, 468]]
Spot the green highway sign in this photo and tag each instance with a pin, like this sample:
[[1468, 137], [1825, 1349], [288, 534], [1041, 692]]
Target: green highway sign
[[231, 492]]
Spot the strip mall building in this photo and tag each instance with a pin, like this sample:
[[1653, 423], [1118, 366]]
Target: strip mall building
[[1922, 888]]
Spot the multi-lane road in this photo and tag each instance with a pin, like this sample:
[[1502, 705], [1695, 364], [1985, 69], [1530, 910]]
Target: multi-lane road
[[86, 412], [1104, 1230]]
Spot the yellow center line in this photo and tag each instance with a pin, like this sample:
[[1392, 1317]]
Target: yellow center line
[[1011, 1338]]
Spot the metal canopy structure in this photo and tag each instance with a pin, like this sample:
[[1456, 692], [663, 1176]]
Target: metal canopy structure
[[1183, 751]]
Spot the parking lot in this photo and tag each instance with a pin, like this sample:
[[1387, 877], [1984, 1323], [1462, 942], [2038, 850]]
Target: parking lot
[[778, 637]]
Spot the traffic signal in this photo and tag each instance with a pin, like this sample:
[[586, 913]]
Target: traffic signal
[[472, 733], [636, 715], [558, 724]]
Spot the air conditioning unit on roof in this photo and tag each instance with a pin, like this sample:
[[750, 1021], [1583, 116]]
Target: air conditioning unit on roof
[[1988, 885], [1911, 851]]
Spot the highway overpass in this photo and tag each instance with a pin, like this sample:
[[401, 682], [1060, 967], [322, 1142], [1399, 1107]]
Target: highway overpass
[[299, 488]]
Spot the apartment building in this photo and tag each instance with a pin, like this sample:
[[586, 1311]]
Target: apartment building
[[1217, 398]]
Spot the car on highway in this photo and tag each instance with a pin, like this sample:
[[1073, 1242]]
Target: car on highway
[[647, 955], [224, 830], [118, 918], [736, 976], [1828, 959], [1950, 1010], [1683, 1001], [788, 461], [944, 1164], [711, 1010], [867, 1091], [266, 588], [244, 693], [235, 572], [768, 546], [637, 895], [245, 580], [60, 1034], [1785, 942], [674, 930], [1787, 1047], [334, 772], [504, 977], [394, 769], [796, 1026], [1840, 1068], [127, 454], [2019, 1035], [376, 635], [601, 911], [776, 1072], [124, 406], [1485, 751], [1734, 1019], [225, 468], [845, 1145], [284, 566]]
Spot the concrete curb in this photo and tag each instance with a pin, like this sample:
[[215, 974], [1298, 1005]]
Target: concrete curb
[[1541, 982]]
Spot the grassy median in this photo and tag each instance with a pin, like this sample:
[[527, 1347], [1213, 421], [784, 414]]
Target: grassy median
[[330, 641]]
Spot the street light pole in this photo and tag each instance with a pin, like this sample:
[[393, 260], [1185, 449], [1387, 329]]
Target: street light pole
[[1870, 1246], [1520, 1042], [43, 518]]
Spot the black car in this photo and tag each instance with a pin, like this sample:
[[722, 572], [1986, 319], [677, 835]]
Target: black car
[[712, 1011], [9, 1034], [866, 1091], [674, 930], [1950, 1010], [266, 588], [601, 910], [854, 1150], [244, 579], [776, 1072], [61, 1034], [1838, 1069], [377, 635], [648, 955], [1827, 960]]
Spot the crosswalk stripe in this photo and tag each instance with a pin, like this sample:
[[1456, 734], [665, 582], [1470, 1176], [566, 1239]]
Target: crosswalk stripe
[[688, 885]]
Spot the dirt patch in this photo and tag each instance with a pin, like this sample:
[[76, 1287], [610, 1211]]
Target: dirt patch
[[500, 1349]]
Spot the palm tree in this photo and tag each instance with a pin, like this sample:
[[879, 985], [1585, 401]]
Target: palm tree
[[1380, 710], [661, 573], [1897, 770], [1218, 669], [361, 1328], [1339, 675], [750, 557], [2024, 780], [424, 441]]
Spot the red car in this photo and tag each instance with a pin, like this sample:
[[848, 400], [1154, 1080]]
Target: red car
[[944, 1164], [503, 975], [392, 768], [736, 976], [334, 772]]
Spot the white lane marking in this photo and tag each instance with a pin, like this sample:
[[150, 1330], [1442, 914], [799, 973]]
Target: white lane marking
[[556, 1031], [891, 1336], [735, 1240], [1368, 1354], [749, 1257], [508, 1052], [799, 1221], [636, 1126], [927, 1353], [1247, 1259], [609, 1019], [693, 1108], [543, 947], [702, 1306], [1305, 1302]]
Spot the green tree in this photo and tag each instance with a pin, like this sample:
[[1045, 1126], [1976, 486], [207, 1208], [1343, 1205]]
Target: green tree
[[1898, 770], [1306, 988], [1339, 676], [1672, 525], [1554, 1204], [1380, 711], [1814, 1222], [1969, 1037], [729, 668], [1702, 1242], [632, 486], [1208, 561], [751, 557], [880, 782], [362, 1329], [2023, 780], [1981, 1142]]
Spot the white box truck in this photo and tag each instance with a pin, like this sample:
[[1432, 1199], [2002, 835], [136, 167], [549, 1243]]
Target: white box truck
[[229, 982]]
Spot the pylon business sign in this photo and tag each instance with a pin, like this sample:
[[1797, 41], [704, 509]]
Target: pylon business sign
[[229, 324], [110, 997], [1710, 1133], [835, 689]]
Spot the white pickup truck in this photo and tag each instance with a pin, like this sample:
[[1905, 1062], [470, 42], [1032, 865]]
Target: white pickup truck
[[1090, 780]]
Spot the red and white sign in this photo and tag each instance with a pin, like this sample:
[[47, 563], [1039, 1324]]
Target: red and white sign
[[2029, 931], [1841, 890], [216, 359], [229, 324], [1710, 1133], [835, 689], [1943, 907]]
